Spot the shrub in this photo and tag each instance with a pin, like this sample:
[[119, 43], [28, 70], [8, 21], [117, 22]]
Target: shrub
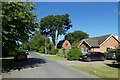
[[20, 49], [53, 51], [63, 52], [41, 49], [74, 54], [60, 52], [7, 53], [118, 54], [66, 52], [105, 53]]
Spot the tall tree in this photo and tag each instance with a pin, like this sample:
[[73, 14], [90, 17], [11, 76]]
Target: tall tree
[[76, 36], [37, 41], [55, 25], [18, 22]]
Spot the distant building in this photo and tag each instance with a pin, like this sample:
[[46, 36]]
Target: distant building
[[64, 44], [99, 44]]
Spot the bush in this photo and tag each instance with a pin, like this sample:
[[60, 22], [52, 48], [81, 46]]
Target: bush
[[74, 54], [53, 52], [118, 55], [60, 53], [7, 53], [105, 53], [63, 52], [41, 49], [66, 52]]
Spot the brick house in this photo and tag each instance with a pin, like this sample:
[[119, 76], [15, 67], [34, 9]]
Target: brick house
[[64, 44], [99, 44]]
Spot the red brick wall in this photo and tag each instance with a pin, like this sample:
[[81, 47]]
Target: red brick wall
[[111, 42], [66, 45]]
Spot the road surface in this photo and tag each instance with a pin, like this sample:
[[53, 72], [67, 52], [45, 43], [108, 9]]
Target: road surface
[[40, 67]]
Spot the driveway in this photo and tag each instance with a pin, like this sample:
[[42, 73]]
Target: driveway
[[39, 67], [82, 63]]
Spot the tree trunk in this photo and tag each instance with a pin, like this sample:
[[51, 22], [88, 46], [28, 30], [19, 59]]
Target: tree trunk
[[56, 40], [53, 39]]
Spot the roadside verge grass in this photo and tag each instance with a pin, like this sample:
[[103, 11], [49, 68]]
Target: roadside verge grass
[[99, 71], [55, 57]]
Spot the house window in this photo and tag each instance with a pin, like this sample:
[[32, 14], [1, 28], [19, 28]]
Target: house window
[[66, 44], [84, 50], [109, 48]]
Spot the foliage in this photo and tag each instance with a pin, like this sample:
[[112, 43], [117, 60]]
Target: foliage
[[60, 53], [76, 36], [74, 54], [53, 52], [66, 52], [50, 46], [26, 46], [38, 43], [63, 52], [41, 49], [55, 25], [118, 54], [105, 53], [37, 40], [18, 22]]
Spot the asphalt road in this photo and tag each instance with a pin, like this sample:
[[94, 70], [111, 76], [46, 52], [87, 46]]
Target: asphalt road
[[40, 67]]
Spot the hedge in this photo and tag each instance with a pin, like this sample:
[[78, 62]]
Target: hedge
[[74, 54]]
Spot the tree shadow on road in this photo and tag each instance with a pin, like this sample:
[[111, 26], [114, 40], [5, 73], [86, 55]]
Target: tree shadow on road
[[11, 64]]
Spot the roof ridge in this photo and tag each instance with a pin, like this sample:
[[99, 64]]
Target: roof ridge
[[102, 35], [97, 40]]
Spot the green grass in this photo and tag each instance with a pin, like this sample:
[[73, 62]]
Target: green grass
[[57, 58], [54, 57], [99, 71]]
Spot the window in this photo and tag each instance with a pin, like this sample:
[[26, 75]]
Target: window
[[109, 48], [84, 49], [66, 44]]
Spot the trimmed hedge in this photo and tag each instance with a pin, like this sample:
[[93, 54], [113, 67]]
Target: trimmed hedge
[[74, 54]]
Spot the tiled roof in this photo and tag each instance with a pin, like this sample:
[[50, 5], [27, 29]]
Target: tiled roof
[[96, 41], [60, 43]]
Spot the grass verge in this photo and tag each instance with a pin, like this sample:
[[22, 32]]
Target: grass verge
[[99, 71], [57, 58]]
